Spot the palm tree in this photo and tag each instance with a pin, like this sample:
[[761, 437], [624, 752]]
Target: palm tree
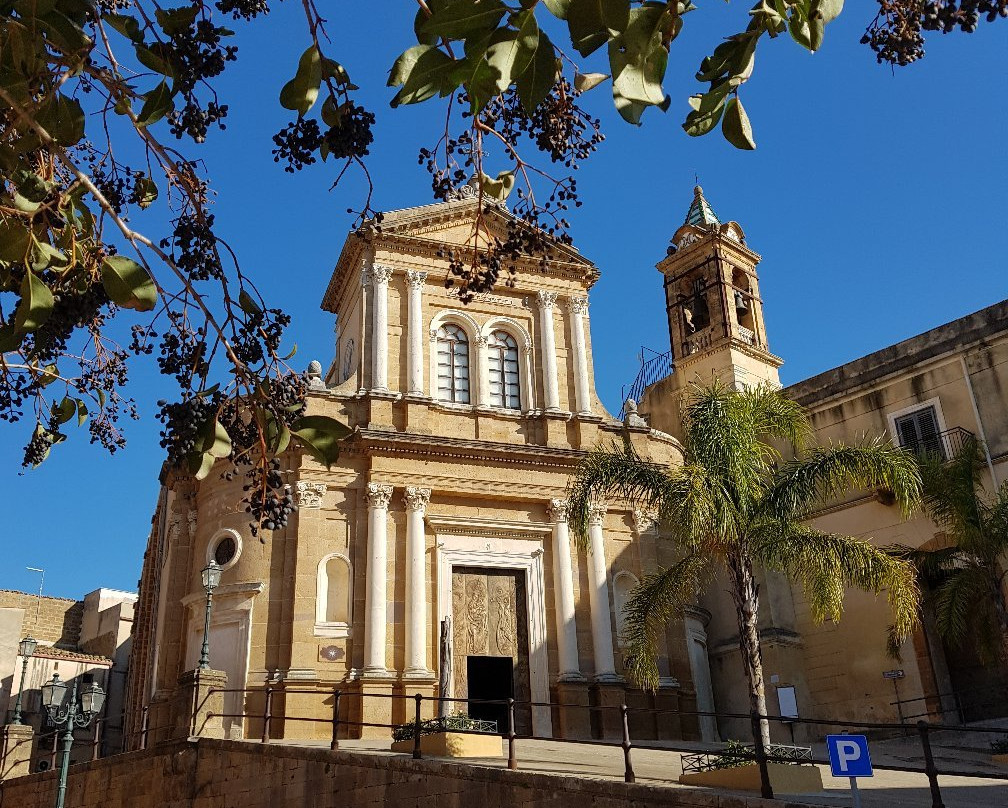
[[734, 504], [966, 576]]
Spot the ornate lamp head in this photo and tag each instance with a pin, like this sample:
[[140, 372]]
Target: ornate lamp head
[[211, 577], [53, 693], [92, 699], [27, 646]]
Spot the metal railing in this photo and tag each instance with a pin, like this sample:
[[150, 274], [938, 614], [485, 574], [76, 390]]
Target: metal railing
[[761, 755], [971, 704], [658, 367], [945, 445]]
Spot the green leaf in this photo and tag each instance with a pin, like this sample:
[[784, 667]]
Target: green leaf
[[82, 412], [593, 22], [735, 126], [289, 355], [65, 410], [157, 103], [422, 36], [31, 186], [558, 8], [126, 25], [10, 340], [128, 284], [156, 57], [535, 83], [707, 111], [423, 72], [830, 9], [321, 435], [63, 119], [200, 464], [36, 304], [460, 19], [511, 51], [175, 20], [145, 190], [500, 187], [248, 304], [215, 440], [277, 435], [638, 60], [301, 91], [15, 239], [583, 82]]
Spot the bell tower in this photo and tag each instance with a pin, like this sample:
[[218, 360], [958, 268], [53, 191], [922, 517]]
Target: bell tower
[[715, 313]]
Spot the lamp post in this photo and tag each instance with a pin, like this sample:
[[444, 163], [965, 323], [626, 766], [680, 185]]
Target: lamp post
[[211, 578], [71, 714], [26, 648]]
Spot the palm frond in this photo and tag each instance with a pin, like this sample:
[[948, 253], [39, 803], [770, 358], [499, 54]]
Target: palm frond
[[826, 473], [613, 470], [932, 565], [964, 609], [825, 564], [777, 416], [954, 495], [658, 598]]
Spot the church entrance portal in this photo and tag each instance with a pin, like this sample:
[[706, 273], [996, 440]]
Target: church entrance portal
[[491, 643]]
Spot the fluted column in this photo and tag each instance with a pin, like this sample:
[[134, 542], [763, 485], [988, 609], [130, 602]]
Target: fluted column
[[578, 307], [375, 596], [598, 597], [547, 300], [416, 583], [414, 358], [380, 276], [563, 594]]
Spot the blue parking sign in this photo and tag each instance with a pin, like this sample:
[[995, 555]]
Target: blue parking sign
[[848, 755]]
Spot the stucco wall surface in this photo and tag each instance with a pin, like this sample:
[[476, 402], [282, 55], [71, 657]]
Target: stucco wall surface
[[228, 774]]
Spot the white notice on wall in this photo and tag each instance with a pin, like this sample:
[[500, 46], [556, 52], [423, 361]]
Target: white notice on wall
[[788, 702]]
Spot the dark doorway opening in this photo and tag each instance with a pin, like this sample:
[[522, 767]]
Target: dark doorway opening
[[490, 677]]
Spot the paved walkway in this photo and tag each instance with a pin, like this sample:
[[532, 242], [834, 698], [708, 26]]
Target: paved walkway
[[888, 789]]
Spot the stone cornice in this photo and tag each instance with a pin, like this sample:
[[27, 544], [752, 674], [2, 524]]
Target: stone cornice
[[735, 344], [479, 526], [686, 258]]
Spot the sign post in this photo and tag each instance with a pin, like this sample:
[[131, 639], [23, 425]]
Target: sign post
[[848, 756], [895, 676]]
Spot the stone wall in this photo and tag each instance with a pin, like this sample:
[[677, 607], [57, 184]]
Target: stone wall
[[233, 774], [59, 619]]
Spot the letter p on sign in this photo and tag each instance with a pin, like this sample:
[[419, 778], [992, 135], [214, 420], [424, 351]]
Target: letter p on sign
[[848, 755]]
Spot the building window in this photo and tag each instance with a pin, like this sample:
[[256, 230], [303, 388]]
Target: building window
[[505, 389], [224, 548], [332, 597], [918, 431], [452, 364]]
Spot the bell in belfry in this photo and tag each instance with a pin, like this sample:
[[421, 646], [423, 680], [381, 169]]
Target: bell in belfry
[[741, 305]]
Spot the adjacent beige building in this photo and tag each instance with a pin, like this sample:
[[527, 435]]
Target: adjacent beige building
[[446, 511]]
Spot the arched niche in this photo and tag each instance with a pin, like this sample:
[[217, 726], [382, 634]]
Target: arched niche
[[333, 596]]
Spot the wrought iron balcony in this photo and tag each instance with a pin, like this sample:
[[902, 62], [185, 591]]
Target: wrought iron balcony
[[944, 445], [658, 367]]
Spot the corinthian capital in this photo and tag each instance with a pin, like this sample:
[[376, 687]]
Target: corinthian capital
[[380, 273], [578, 305], [597, 512], [644, 520], [547, 300], [416, 498], [557, 510], [415, 278], [379, 495]]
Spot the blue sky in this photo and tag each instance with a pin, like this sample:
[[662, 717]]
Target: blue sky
[[876, 198]]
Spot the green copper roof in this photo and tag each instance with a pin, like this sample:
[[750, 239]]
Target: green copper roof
[[700, 213]]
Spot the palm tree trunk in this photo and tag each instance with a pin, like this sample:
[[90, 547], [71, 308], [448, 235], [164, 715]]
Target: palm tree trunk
[[745, 594]]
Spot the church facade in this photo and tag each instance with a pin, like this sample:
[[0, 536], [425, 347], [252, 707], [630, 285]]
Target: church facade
[[435, 556]]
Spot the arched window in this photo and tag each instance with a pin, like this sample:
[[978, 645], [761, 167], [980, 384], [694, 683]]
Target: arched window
[[332, 597], [505, 389], [453, 364]]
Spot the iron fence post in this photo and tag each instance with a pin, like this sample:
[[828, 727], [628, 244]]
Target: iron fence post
[[766, 790], [144, 725], [628, 772], [334, 743], [929, 765], [416, 729], [95, 741], [267, 715], [512, 760]]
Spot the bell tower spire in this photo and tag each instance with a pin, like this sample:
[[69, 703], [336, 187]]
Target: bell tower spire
[[715, 313]]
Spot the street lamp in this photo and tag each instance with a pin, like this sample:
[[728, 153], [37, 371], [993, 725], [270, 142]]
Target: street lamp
[[26, 648], [211, 578], [92, 698]]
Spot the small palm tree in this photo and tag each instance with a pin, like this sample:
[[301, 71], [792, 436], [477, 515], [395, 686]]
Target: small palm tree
[[966, 577], [733, 504]]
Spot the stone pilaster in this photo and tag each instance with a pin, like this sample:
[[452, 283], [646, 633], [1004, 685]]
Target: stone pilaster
[[563, 594], [375, 598], [598, 598], [578, 308], [551, 391], [380, 276], [416, 584], [414, 358]]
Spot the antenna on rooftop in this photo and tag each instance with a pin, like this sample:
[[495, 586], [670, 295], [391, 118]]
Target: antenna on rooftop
[[38, 603]]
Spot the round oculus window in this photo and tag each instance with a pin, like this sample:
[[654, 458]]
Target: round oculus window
[[225, 551]]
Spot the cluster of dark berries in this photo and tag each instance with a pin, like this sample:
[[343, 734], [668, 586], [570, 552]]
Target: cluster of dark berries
[[183, 351], [196, 53], [249, 9], [268, 499], [297, 143], [194, 247], [194, 120], [351, 136], [259, 336], [183, 422], [112, 184], [896, 33], [37, 449], [140, 339], [72, 309]]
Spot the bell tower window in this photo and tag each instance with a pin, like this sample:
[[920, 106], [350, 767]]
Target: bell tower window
[[453, 364]]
